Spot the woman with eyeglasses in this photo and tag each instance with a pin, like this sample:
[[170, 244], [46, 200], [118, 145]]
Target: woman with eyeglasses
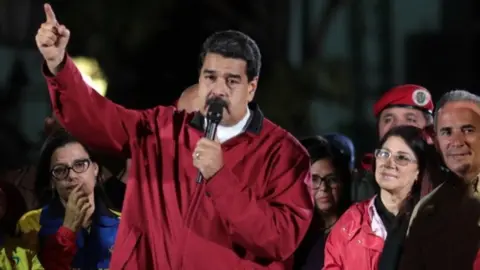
[[370, 235], [330, 188], [75, 229]]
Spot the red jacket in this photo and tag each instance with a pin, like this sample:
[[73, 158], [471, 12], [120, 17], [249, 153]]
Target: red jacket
[[352, 245], [251, 215], [59, 250], [476, 265]]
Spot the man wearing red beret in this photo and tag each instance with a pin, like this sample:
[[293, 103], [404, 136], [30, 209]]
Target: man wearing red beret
[[407, 104]]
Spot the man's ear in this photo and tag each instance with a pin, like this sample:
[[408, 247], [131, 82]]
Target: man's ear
[[252, 88]]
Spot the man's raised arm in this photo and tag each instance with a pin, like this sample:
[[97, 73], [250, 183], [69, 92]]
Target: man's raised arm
[[87, 115]]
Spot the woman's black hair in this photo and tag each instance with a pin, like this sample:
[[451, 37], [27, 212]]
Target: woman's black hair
[[43, 187], [318, 148]]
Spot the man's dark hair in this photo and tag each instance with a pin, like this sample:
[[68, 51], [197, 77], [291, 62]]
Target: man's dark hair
[[234, 44]]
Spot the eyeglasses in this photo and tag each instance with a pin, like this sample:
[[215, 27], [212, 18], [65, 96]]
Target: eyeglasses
[[401, 159], [331, 181], [61, 172]]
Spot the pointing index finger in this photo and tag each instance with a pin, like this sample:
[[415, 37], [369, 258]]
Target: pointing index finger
[[49, 14]]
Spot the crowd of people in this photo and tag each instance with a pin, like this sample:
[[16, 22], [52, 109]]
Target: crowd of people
[[116, 188]]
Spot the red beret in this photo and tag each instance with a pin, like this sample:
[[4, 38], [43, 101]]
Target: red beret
[[407, 95]]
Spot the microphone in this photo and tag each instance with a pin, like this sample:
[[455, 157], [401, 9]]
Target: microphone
[[213, 117]]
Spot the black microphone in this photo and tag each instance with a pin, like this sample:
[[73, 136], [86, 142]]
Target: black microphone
[[213, 117]]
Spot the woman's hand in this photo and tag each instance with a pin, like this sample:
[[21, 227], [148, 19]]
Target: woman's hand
[[76, 210]]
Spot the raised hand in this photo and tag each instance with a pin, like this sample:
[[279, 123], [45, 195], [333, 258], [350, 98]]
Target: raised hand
[[52, 39]]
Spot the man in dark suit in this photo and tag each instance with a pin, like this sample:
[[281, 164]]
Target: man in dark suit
[[445, 230]]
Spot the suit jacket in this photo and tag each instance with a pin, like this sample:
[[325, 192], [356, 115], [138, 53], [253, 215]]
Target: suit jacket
[[444, 232]]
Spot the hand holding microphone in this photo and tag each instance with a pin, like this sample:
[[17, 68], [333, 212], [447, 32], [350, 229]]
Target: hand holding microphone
[[208, 156]]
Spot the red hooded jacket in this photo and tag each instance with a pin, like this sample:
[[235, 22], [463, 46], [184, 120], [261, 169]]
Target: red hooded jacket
[[251, 215]]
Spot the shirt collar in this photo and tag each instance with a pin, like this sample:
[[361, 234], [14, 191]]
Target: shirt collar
[[377, 226], [226, 133]]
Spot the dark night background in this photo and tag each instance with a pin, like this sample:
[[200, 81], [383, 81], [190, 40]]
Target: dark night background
[[324, 62]]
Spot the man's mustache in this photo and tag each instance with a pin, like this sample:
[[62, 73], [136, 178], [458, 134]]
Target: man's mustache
[[217, 100]]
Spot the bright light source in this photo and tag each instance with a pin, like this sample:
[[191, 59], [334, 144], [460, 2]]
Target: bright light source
[[92, 73]]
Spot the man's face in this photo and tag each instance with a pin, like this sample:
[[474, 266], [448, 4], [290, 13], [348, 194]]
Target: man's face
[[226, 78], [458, 139], [398, 116]]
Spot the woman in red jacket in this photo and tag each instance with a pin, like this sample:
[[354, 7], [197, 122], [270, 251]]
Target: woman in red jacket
[[357, 240]]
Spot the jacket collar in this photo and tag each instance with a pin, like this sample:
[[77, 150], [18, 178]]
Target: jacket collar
[[254, 125], [357, 226]]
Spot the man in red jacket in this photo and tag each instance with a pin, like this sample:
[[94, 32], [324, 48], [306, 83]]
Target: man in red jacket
[[254, 206]]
